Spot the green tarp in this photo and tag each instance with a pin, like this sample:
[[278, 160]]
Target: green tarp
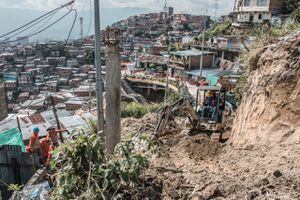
[[12, 137]]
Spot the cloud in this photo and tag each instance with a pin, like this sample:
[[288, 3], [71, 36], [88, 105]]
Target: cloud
[[186, 6], [32, 4]]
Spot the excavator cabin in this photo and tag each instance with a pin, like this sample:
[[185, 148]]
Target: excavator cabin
[[210, 106]]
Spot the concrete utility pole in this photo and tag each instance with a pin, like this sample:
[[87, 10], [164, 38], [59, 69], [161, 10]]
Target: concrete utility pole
[[99, 89], [113, 89], [202, 48]]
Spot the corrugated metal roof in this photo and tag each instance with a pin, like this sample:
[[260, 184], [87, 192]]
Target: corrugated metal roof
[[190, 52], [36, 118], [49, 116], [73, 122]]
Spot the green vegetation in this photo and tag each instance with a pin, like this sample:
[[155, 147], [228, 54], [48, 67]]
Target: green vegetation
[[249, 60], [84, 171], [240, 87], [296, 15], [218, 29], [90, 58], [187, 27], [153, 65], [138, 110], [289, 6]]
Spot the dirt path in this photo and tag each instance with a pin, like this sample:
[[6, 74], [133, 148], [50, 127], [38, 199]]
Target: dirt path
[[197, 168], [194, 167]]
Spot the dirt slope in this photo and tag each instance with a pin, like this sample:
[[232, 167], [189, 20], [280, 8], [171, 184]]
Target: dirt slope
[[270, 111], [261, 160]]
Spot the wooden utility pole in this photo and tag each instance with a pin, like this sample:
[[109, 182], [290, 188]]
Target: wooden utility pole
[[113, 89], [56, 118]]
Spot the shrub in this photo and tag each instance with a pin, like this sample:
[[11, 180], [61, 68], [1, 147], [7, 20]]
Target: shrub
[[84, 171], [240, 88], [296, 15]]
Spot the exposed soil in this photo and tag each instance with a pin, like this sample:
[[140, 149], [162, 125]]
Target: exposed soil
[[195, 167], [261, 159], [270, 111]]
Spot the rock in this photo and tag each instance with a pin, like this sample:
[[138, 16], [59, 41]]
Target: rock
[[271, 186], [252, 195], [265, 181], [263, 190], [212, 192], [277, 174]]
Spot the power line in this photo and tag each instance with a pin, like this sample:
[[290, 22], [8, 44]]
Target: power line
[[10, 32], [90, 23], [49, 17], [38, 32], [44, 23], [66, 42]]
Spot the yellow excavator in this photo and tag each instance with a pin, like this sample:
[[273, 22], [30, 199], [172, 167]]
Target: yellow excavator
[[208, 116]]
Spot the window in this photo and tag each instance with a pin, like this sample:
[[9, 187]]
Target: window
[[247, 2], [261, 2], [260, 16]]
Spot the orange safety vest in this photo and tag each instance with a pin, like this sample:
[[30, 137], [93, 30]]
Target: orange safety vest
[[44, 143], [33, 143]]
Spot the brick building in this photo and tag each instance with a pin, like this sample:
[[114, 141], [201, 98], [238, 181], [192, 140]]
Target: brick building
[[256, 11]]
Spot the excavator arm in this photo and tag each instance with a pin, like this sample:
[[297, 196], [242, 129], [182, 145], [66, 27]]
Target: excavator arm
[[168, 113]]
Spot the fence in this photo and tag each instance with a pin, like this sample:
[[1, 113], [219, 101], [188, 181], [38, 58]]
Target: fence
[[16, 167]]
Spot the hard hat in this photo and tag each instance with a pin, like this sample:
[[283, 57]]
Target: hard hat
[[36, 130]]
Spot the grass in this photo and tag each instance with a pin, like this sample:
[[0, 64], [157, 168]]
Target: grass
[[138, 110]]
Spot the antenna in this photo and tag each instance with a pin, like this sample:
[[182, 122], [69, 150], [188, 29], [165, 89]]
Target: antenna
[[81, 28]]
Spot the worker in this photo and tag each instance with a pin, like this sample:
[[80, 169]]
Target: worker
[[47, 148], [34, 145], [44, 144], [52, 135], [49, 155]]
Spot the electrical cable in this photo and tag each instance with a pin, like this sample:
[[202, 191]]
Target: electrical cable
[[51, 11], [42, 19], [66, 42], [38, 32], [90, 23]]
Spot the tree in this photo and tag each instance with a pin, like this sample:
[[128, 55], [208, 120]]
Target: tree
[[90, 58], [289, 6], [152, 65], [186, 27], [296, 14]]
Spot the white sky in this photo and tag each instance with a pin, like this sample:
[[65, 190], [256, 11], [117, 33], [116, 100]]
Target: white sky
[[187, 6]]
